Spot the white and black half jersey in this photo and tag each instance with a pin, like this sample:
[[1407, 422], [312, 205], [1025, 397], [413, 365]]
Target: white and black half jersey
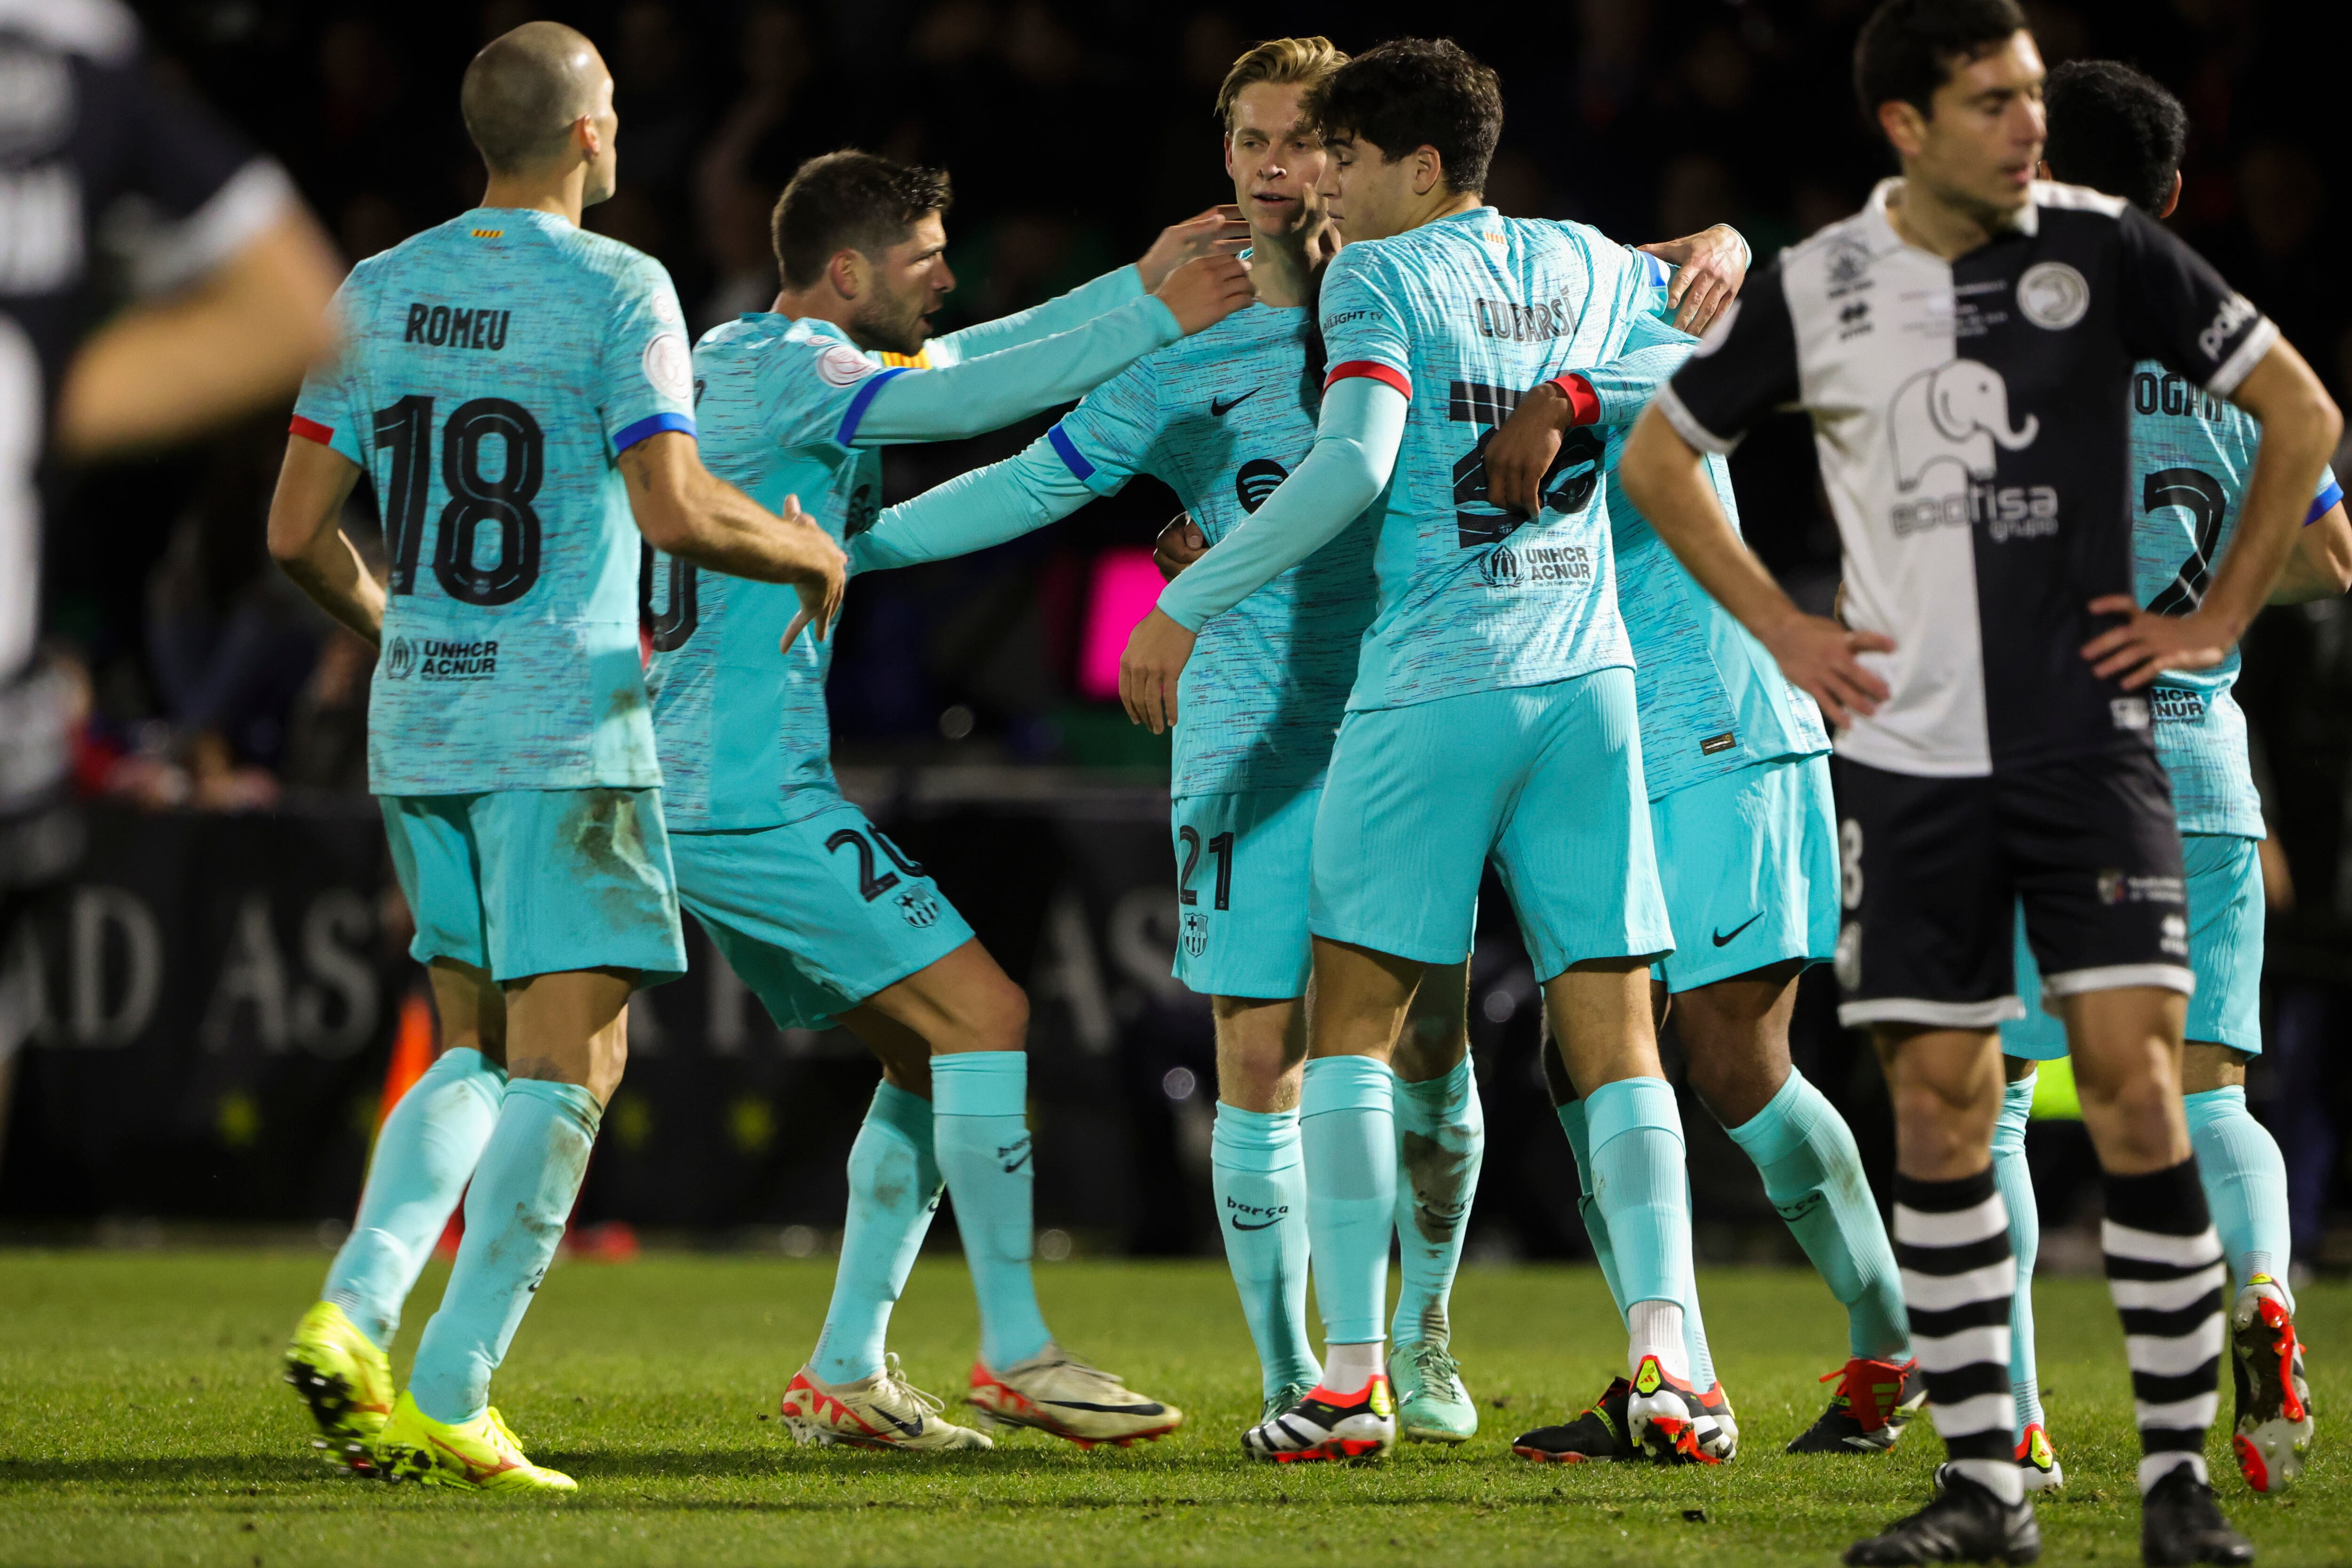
[[1971, 418]]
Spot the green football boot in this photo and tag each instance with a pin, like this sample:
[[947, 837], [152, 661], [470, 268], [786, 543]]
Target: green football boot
[[1432, 1404], [346, 1382]]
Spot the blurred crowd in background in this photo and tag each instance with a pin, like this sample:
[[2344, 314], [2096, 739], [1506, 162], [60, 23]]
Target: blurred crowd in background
[[1074, 132]]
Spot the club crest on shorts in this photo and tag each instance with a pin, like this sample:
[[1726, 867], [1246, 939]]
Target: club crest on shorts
[[1847, 960], [2111, 887], [1196, 932], [918, 908]]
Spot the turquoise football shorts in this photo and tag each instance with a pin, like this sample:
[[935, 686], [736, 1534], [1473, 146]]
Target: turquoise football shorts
[[1243, 864], [815, 916], [1750, 864], [1546, 781], [2225, 953], [537, 882]]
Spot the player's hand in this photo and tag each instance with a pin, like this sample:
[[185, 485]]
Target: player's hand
[[1823, 658], [1180, 544], [1520, 454], [2147, 645], [1712, 264], [1220, 230], [1156, 652], [826, 578], [1205, 292]]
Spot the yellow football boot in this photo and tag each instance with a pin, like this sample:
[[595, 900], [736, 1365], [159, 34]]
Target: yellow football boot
[[345, 1381], [479, 1455]]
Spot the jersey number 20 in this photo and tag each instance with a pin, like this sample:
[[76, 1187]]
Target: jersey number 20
[[476, 500]]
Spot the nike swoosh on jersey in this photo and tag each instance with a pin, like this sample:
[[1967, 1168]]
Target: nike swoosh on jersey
[[1220, 407], [1723, 939]]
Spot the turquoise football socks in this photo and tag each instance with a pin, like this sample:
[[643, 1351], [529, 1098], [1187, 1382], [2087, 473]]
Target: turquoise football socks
[[1259, 1176], [2245, 1184], [893, 1190], [1440, 1144], [416, 1176], [1347, 1129], [516, 1207], [2016, 1184], [1812, 1173], [1640, 1184], [980, 1129]]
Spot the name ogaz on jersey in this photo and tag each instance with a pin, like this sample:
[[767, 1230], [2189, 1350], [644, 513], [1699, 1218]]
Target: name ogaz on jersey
[[2191, 456], [1222, 417], [1463, 315], [494, 367], [1969, 417]]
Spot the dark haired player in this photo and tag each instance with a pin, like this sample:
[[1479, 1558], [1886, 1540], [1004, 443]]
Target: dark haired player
[[822, 917], [1492, 711], [518, 391], [1223, 417], [2114, 129], [1965, 346]]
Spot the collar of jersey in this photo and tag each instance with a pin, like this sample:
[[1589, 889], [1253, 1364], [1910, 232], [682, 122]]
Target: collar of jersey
[[475, 217]]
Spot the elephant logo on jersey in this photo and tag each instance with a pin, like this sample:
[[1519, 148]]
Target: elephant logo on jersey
[[918, 908], [1196, 932], [1955, 413]]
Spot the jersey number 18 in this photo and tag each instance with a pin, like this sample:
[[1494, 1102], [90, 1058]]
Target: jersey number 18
[[405, 429]]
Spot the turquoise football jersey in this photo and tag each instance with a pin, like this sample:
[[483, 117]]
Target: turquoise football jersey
[[744, 740], [1712, 700], [1221, 418], [493, 370], [1464, 314], [2191, 456]]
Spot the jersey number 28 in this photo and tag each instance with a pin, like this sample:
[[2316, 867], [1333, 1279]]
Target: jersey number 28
[[476, 500]]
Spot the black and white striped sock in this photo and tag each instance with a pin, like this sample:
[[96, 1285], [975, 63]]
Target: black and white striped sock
[[2164, 1270], [1951, 1240]]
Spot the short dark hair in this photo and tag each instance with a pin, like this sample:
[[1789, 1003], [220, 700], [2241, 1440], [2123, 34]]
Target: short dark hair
[[2116, 131], [1417, 92], [1908, 48], [850, 201]]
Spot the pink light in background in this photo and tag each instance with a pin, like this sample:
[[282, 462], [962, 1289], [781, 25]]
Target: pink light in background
[[1126, 586]]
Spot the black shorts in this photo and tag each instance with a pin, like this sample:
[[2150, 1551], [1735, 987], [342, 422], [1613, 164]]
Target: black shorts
[[1931, 871]]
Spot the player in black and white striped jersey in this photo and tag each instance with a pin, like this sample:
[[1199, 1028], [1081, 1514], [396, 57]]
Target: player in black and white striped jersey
[[1965, 346]]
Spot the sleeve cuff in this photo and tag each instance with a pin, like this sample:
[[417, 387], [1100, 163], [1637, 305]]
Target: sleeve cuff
[[1687, 426], [2238, 366], [2330, 496], [1171, 604], [1387, 374], [1170, 328], [312, 430], [1583, 402], [651, 424]]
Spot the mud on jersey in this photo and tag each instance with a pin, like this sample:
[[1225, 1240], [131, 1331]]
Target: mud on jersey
[[1969, 420], [1463, 315], [2191, 455], [494, 369], [1222, 417]]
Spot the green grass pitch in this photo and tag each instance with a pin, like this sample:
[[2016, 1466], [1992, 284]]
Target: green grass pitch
[[141, 1421]]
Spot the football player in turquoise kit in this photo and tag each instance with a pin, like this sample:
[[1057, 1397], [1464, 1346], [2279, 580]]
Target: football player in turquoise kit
[[519, 392], [1492, 712], [1221, 418], [821, 915], [1737, 767], [2116, 131]]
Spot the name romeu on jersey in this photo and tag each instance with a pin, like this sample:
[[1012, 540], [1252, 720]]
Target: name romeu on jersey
[[494, 369], [2192, 455], [793, 408], [1973, 446]]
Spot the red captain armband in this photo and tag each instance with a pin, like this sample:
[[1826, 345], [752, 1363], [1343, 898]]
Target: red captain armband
[[1387, 375], [1583, 402], [310, 430]]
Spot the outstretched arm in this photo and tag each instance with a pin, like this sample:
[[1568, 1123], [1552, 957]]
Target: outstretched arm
[[973, 511], [991, 392], [1220, 230], [1355, 451]]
